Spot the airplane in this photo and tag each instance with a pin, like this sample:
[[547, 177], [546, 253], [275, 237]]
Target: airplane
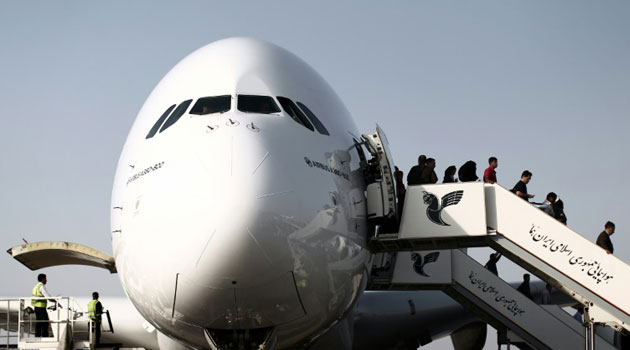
[[257, 194], [239, 217]]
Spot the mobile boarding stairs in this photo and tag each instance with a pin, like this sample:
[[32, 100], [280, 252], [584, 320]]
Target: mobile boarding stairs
[[436, 219]]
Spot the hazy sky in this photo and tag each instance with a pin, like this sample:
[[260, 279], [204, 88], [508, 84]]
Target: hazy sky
[[541, 85]]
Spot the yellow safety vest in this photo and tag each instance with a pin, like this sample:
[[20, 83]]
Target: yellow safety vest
[[37, 294], [92, 309]]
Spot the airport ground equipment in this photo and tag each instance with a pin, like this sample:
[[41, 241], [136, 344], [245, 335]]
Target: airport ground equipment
[[474, 214], [495, 301], [69, 325]]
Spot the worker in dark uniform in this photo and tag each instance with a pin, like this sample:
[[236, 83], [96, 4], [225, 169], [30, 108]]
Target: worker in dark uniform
[[39, 302], [95, 310]]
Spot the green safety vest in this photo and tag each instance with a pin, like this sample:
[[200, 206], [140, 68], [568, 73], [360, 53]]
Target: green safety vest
[[37, 294], [92, 310]]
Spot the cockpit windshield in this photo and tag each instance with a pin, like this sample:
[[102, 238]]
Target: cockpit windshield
[[294, 112], [212, 104], [257, 104]]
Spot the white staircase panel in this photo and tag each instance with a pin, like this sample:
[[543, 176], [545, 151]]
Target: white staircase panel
[[444, 210], [565, 251]]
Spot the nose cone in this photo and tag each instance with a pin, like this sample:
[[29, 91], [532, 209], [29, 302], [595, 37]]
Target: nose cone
[[214, 228], [242, 276]]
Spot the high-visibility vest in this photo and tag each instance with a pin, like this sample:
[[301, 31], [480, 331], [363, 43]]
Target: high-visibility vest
[[92, 309], [37, 294]]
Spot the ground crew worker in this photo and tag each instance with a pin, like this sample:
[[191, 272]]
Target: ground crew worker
[[39, 302], [95, 310]]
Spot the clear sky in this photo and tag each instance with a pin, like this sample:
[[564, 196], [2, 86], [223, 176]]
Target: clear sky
[[541, 85]]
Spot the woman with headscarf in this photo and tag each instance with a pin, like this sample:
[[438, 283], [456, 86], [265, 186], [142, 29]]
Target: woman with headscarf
[[449, 174], [468, 172]]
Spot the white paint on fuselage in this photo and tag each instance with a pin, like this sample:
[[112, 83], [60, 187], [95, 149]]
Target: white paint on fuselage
[[247, 231]]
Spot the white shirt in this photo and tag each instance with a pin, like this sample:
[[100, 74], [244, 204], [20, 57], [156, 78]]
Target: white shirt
[[545, 297], [42, 289], [547, 207]]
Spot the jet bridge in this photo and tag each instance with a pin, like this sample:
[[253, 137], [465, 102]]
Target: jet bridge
[[488, 296], [448, 216]]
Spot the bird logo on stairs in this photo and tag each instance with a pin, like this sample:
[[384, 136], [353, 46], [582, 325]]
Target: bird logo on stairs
[[434, 209], [419, 263]]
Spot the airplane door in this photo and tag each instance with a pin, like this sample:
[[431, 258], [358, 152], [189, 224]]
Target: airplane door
[[381, 184]]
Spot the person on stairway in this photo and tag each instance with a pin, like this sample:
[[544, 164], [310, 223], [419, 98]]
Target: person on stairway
[[413, 176], [490, 175], [524, 287], [428, 175], [520, 189], [603, 240], [491, 265]]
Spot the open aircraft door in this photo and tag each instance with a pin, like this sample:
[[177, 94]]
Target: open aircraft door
[[381, 186]]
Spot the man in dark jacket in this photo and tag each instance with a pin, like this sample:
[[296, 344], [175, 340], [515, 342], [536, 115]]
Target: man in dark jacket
[[604, 238], [413, 177], [428, 175]]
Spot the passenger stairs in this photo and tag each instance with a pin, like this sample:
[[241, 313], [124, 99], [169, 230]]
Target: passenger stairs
[[488, 296], [473, 214], [68, 327]]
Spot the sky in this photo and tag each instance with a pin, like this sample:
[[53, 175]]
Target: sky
[[541, 85]]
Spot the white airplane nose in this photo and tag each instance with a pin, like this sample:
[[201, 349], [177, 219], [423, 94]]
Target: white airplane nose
[[228, 217]]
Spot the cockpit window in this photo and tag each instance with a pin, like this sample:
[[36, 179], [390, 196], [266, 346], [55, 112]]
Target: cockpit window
[[318, 124], [257, 104], [159, 122], [179, 111], [295, 113], [213, 104]]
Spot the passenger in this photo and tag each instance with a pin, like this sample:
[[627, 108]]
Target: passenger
[[468, 172], [449, 174], [558, 209], [491, 265], [490, 175], [579, 314], [39, 303], [413, 177], [524, 287], [95, 310], [520, 189], [604, 238], [428, 175], [547, 205], [545, 298], [400, 189]]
